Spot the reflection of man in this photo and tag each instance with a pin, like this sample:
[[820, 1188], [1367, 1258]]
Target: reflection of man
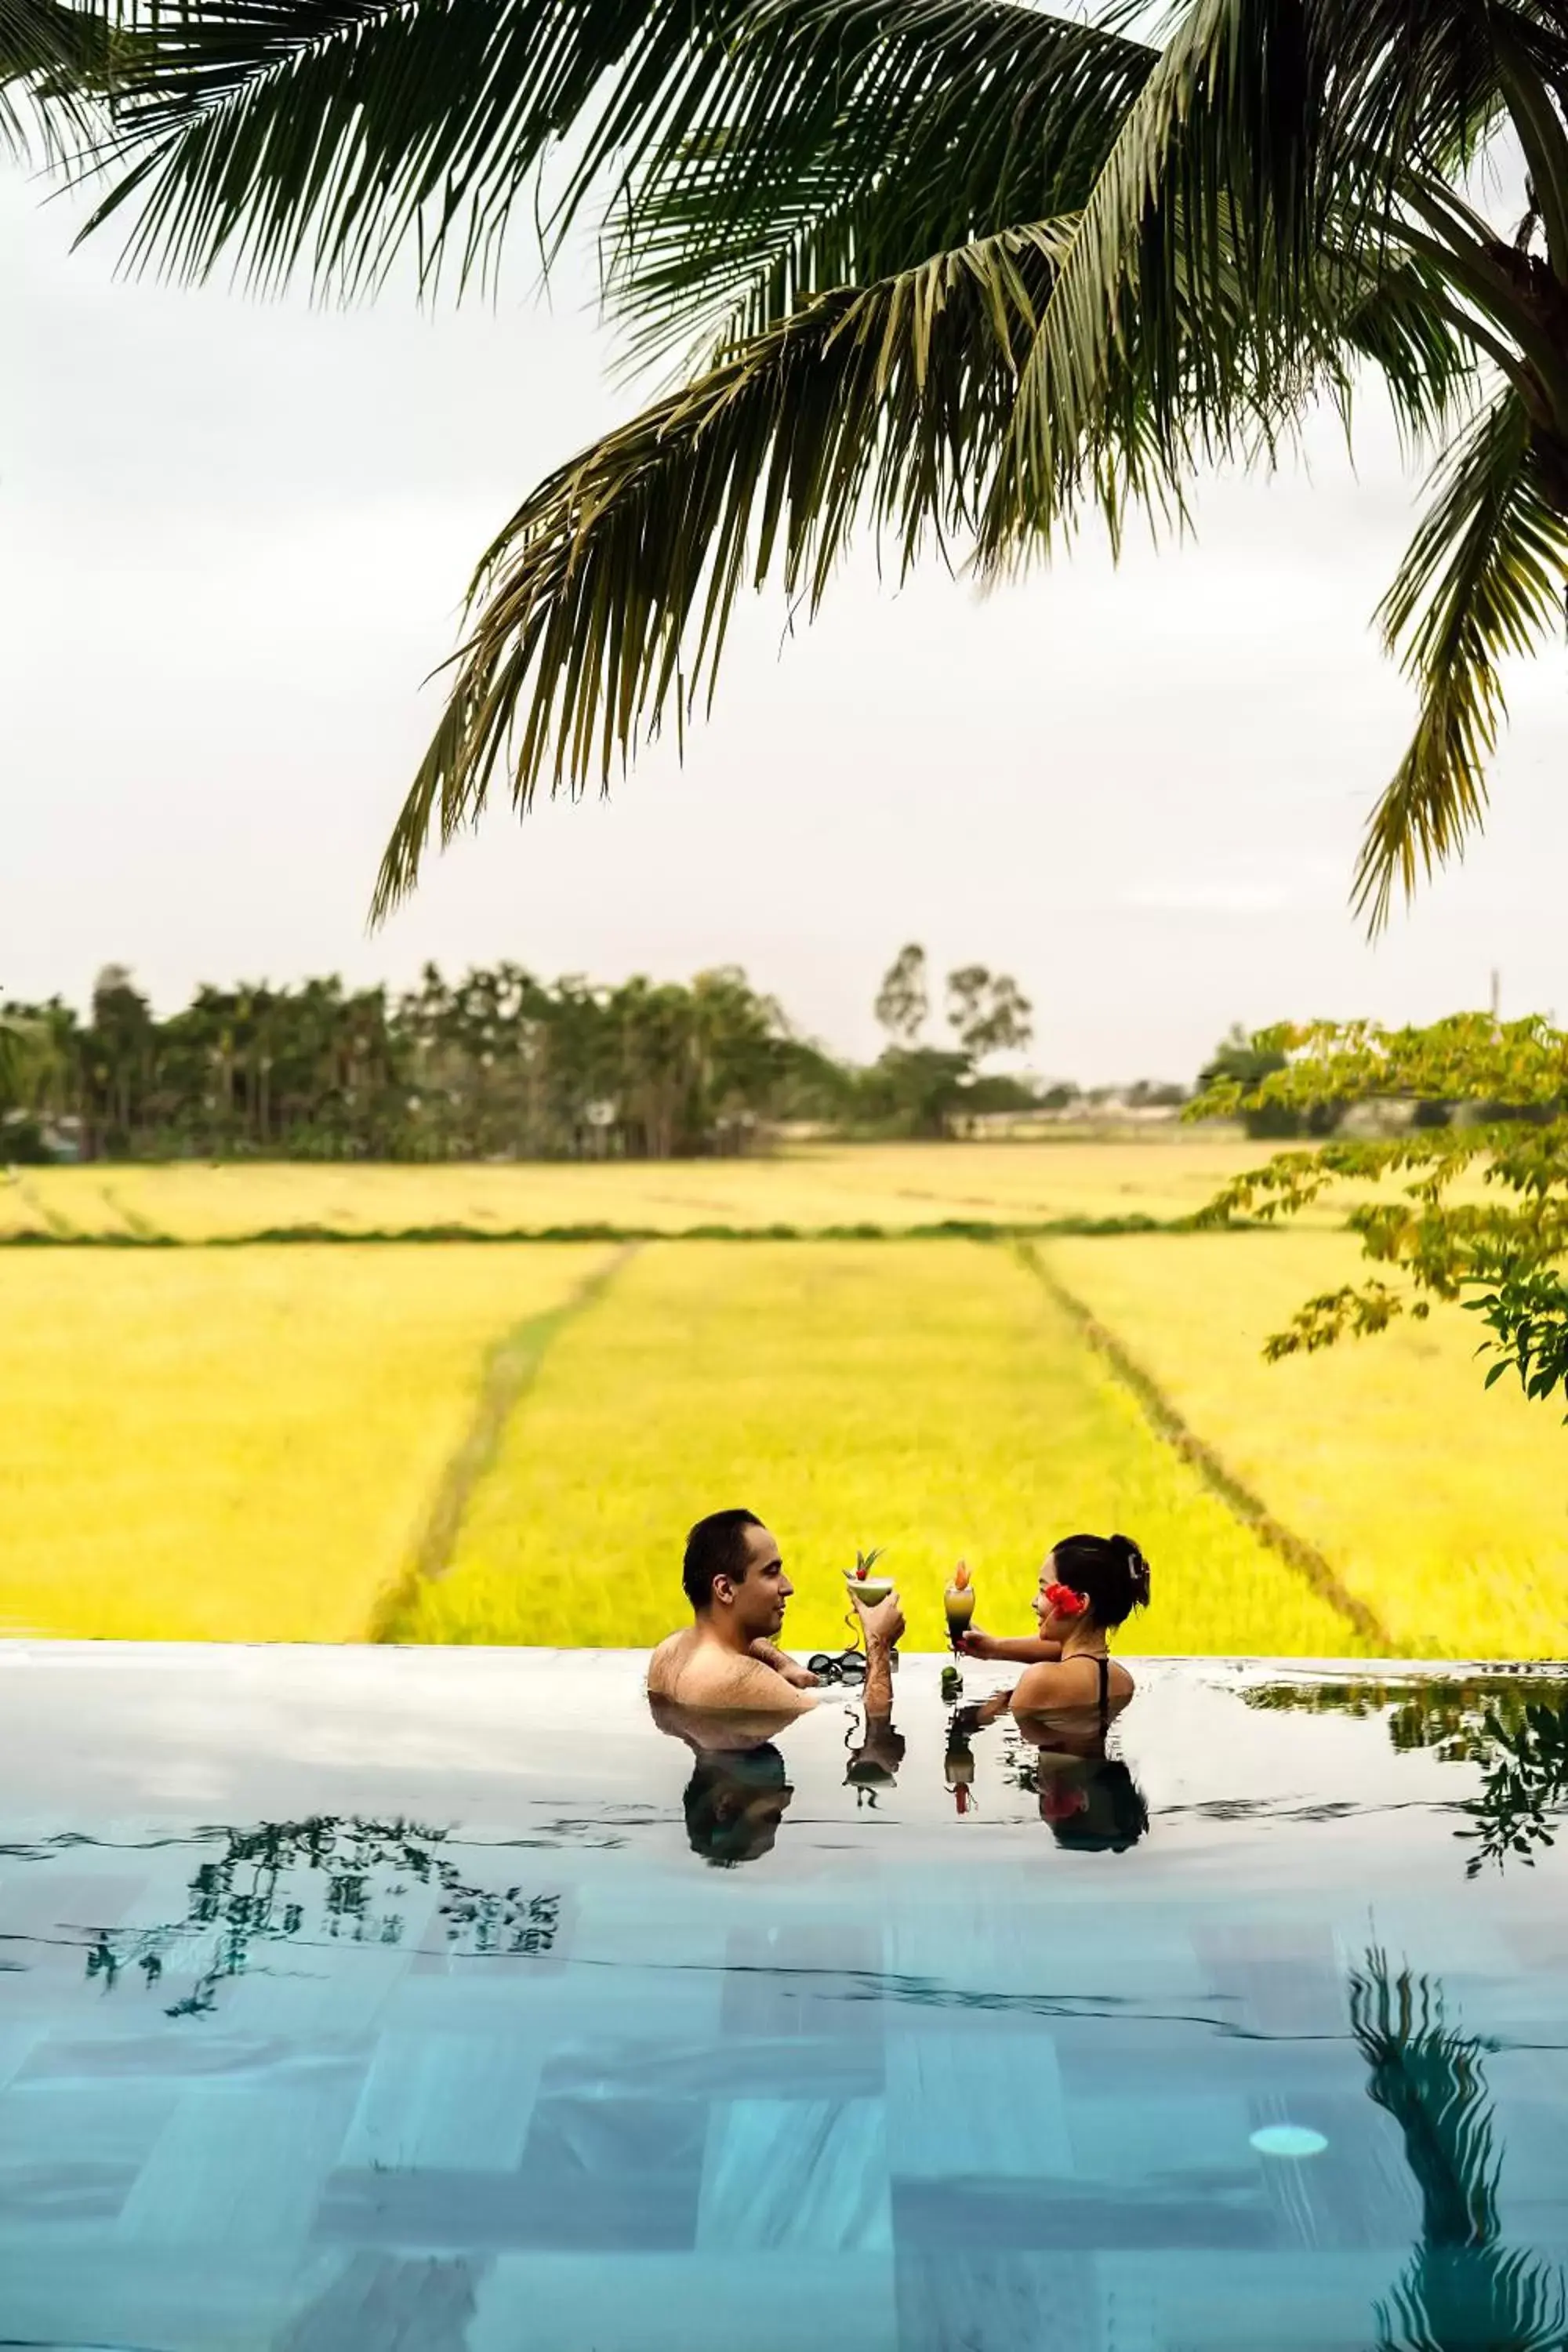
[[739, 1790], [734, 1578], [734, 1804]]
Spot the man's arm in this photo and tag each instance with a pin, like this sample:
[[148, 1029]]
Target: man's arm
[[800, 1677], [740, 1684], [883, 1624]]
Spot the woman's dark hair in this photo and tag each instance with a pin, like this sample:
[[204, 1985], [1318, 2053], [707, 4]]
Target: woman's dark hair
[[1113, 1816], [716, 1547], [1109, 1570]]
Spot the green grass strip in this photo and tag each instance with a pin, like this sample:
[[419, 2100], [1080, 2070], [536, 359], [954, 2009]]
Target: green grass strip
[[511, 1368], [965, 1229], [1239, 1499]]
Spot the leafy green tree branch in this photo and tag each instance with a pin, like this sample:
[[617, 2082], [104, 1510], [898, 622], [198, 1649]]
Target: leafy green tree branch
[[1478, 1212]]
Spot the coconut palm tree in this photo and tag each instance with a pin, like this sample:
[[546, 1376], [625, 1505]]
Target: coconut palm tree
[[950, 272]]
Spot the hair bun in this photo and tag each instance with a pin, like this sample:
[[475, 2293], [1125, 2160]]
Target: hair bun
[[1137, 1569]]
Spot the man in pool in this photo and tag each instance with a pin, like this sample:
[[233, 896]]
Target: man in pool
[[728, 1658]]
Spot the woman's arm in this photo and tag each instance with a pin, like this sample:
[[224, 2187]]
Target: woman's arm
[[1029, 1651]]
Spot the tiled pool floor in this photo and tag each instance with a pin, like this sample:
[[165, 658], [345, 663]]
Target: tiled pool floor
[[360, 1999]]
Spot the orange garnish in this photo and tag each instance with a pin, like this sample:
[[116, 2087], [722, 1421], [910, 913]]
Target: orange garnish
[[960, 1576]]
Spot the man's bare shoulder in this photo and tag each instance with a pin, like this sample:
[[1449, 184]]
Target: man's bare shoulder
[[701, 1676], [664, 1666]]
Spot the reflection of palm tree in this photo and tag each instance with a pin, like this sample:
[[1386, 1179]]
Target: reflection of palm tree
[[258, 1891], [1463, 2290]]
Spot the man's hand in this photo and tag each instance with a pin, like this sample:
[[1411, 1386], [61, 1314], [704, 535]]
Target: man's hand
[[883, 1621]]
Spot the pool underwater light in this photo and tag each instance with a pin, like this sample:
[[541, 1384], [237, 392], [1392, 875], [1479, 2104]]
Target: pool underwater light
[[1288, 2139]]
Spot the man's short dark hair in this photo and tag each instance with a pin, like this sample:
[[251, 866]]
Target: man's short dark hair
[[721, 1823], [716, 1547]]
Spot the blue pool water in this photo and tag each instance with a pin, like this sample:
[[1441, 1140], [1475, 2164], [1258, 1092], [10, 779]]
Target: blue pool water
[[360, 2000]]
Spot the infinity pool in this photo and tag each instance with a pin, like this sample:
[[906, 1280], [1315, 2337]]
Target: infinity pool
[[362, 2000]]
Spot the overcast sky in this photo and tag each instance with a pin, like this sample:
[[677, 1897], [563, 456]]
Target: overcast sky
[[233, 542]]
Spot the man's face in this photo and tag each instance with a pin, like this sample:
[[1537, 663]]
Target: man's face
[[758, 1600]]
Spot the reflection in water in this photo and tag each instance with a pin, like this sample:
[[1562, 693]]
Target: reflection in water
[[739, 1788], [1462, 2291], [734, 1802], [1087, 1798], [876, 1751], [1515, 1730], [330, 1878]]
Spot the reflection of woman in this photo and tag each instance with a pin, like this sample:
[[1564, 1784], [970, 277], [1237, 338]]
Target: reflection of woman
[[1090, 1585], [1089, 1800]]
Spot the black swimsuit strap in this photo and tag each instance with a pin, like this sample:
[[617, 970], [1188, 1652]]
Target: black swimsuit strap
[[1104, 1666]]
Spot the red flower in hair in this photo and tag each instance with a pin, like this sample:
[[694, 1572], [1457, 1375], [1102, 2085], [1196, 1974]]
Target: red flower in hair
[[1064, 1600], [1059, 1804]]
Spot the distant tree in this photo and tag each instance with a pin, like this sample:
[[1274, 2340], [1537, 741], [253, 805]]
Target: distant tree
[[925, 1089], [903, 1002], [499, 1064], [988, 1015], [1500, 1257], [1244, 1061]]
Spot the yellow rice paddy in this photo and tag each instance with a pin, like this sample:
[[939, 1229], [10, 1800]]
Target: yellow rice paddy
[[237, 1446], [926, 1396]]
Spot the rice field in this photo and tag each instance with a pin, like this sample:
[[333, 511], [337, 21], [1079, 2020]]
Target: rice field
[[505, 1441], [891, 1186], [926, 1397], [238, 1445], [1444, 1505]]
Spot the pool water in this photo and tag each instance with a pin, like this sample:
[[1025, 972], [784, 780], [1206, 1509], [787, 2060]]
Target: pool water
[[444, 1999]]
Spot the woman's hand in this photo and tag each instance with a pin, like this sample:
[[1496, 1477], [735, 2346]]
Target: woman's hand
[[976, 1644]]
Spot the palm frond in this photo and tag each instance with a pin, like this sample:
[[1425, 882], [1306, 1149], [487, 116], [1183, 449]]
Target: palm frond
[[1251, 199], [54, 71], [1482, 578], [848, 139], [332, 135], [606, 598], [1427, 2075]]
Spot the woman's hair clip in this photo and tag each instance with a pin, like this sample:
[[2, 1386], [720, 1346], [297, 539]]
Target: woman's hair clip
[[1064, 1600]]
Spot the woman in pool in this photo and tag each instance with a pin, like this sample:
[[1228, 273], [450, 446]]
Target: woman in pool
[[1090, 1585]]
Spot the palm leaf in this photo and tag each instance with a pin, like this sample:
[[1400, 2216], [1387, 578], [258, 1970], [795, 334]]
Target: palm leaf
[[849, 139], [606, 598], [334, 136], [54, 66], [1482, 578], [1462, 2286]]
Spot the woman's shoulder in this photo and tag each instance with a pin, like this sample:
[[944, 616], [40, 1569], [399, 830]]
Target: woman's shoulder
[[1070, 1683]]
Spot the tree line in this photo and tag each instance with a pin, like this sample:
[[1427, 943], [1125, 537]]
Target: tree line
[[499, 1063]]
